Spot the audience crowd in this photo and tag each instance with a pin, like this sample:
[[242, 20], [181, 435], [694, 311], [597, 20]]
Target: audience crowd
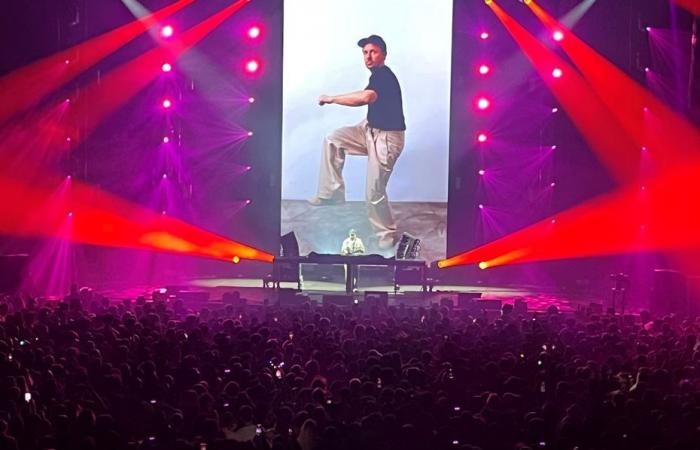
[[86, 373]]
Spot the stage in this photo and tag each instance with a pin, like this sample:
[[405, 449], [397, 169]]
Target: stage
[[209, 292]]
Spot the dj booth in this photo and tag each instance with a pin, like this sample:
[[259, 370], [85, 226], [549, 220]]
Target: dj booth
[[406, 271]]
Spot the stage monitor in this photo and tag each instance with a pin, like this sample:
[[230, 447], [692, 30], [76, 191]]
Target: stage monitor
[[289, 246], [365, 172]]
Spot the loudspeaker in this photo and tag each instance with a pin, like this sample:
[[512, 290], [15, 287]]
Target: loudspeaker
[[448, 302], [12, 269], [193, 296], [234, 298], [289, 245], [489, 305], [289, 297], [411, 275], [160, 295], [283, 271], [466, 299], [377, 297], [408, 248], [669, 294], [337, 300], [519, 307], [595, 308]]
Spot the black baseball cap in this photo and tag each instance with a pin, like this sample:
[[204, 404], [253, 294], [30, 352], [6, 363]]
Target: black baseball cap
[[373, 39]]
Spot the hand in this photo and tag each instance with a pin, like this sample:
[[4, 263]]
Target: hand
[[325, 99]]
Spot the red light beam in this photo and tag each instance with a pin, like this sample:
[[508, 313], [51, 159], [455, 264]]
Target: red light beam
[[670, 138], [691, 5], [599, 127], [29, 84], [663, 217], [122, 83], [102, 219]]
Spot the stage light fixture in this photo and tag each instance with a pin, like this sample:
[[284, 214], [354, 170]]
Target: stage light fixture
[[254, 32], [70, 214], [166, 67], [553, 147], [250, 133], [484, 35], [166, 139], [646, 69], [481, 206], [484, 69], [552, 184], [252, 66], [167, 31], [167, 103], [482, 172], [251, 99], [236, 259], [482, 137], [557, 73], [558, 36], [483, 103], [248, 202], [555, 109], [165, 176], [483, 265]]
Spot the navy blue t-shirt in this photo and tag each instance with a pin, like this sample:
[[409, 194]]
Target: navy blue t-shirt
[[386, 113]]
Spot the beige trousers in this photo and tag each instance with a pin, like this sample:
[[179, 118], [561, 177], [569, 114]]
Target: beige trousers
[[382, 149]]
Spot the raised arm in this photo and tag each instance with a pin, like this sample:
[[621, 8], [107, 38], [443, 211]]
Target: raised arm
[[359, 98]]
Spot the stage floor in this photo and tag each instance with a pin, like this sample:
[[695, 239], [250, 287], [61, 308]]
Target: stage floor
[[537, 298]]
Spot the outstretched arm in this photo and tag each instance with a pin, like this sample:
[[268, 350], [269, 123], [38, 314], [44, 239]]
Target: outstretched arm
[[359, 98]]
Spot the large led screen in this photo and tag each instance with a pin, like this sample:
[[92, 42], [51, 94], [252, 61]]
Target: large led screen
[[343, 169]]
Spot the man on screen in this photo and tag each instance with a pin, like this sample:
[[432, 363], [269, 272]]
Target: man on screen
[[380, 137]]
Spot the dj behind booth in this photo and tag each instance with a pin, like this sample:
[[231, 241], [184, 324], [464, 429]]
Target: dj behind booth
[[407, 267], [352, 246]]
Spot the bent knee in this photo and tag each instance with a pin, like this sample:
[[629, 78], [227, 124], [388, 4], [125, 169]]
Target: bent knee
[[375, 197]]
